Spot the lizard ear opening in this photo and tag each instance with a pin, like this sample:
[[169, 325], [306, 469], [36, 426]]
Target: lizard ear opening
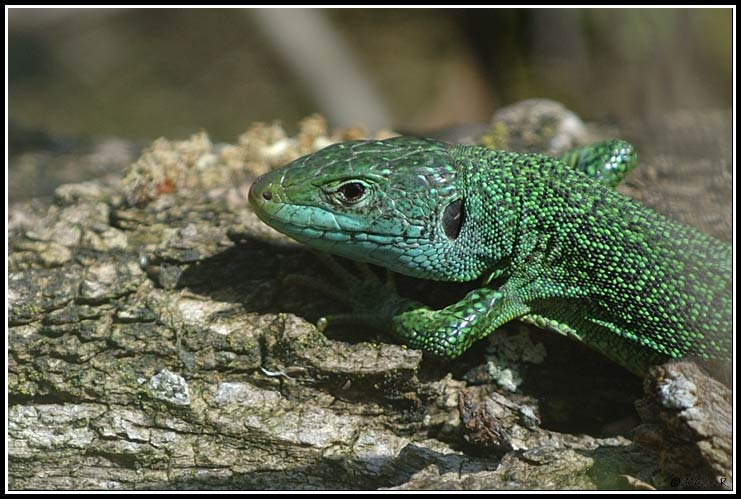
[[453, 217]]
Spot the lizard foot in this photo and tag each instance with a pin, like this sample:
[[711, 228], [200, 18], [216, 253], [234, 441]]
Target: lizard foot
[[372, 301]]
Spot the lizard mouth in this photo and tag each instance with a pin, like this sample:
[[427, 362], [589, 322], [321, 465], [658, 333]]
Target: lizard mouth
[[298, 221], [317, 226], [335, 233], [307, 222]]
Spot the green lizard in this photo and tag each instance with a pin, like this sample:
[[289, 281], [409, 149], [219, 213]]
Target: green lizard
[[552, 242]]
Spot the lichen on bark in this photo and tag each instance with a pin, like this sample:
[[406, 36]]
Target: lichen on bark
[[154, 344]]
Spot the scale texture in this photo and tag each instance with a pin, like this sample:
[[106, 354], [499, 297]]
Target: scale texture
[[552, 243]]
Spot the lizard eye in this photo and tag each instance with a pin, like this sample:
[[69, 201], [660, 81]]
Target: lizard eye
[[351, 192]]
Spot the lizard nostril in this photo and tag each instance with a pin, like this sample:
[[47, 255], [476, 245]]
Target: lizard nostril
[[267, 195]]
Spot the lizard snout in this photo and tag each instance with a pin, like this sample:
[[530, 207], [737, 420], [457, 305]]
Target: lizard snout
[[261, 190]]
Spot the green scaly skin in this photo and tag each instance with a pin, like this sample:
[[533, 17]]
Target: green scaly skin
[[553, 244]]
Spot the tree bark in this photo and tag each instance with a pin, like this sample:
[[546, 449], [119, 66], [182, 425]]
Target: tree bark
[[155, 344]]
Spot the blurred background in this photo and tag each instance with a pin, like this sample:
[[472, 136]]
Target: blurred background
[[138, 74]]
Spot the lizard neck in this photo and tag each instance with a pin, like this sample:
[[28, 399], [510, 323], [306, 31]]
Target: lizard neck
[[494, 195]]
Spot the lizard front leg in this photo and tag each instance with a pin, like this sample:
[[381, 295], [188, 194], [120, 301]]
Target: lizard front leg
[[448, 332], [607, 162]]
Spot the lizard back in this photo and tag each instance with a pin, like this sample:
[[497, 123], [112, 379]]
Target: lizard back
[[597, 265]]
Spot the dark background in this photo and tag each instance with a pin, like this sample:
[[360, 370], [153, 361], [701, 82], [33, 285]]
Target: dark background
[[145, 73]]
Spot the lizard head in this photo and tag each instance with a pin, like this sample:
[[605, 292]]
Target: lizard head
[[393, 203]]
